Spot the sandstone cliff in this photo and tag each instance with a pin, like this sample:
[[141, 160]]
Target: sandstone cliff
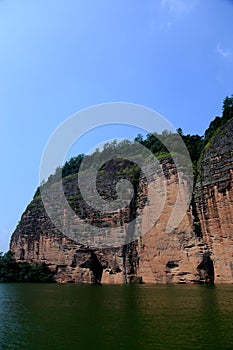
[[214, 199], [199, 250], [157, 257]]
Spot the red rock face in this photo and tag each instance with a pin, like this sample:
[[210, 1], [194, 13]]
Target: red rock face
[[170, 257], [37, 240], [199, 250], [214, 198], [157, 257]]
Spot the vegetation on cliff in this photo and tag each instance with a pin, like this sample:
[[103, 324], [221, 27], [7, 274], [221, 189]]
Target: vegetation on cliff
[[13, 271], [218, 122], [154, 142], [108, 176]]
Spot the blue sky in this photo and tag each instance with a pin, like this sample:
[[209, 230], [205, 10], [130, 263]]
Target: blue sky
[[58, 57]]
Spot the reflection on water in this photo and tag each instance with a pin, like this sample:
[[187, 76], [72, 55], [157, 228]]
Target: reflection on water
[[116, 317]]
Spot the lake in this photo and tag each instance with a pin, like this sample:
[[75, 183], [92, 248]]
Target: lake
[[47, 316]]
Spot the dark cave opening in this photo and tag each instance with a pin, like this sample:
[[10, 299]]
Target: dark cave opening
[[206, 269], [95, 266]]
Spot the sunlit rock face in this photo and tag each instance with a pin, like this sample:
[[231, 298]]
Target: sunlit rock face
[[198, 250], [171, 257]]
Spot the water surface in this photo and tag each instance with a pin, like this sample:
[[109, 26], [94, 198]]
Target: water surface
[[37, 316]]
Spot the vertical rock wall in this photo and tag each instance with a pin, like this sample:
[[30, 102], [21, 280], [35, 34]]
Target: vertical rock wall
[[157, 257], [199, 250], [214, 200]]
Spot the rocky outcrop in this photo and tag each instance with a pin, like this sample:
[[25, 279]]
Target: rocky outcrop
[[171, 257], [214, 200], [37, 240], [198, 250], [157, 257]]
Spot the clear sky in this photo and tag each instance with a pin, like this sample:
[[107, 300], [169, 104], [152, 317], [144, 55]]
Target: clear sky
[[58, 57]]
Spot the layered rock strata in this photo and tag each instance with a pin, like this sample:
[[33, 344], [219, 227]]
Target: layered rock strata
[[157, 257], [214, 200], [198, 250]]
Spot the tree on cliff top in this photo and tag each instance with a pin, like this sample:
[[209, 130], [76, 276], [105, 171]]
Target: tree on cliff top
[[154, 142], [227, 114]]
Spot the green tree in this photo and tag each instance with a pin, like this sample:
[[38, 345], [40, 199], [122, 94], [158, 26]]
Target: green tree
[[13, 271]]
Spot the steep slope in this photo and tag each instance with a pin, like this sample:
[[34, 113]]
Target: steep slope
[[157, 257], [214, 199]]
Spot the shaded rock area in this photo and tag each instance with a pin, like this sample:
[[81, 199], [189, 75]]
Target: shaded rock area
[[198, 250], [206, 269], [214, 201]]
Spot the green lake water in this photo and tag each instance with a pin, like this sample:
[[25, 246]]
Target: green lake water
[[116, 317]]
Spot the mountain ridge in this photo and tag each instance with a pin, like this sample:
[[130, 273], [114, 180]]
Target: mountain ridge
[[199, 250]]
